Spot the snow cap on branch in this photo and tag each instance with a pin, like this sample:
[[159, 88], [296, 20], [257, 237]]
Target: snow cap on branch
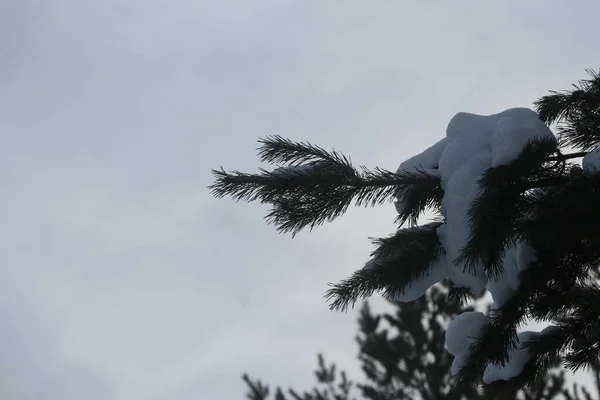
[[517, 359], [473, 144], [591, 162], [514, 216], [463, 331]]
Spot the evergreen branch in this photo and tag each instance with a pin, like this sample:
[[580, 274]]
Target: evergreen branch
[[420, 237], [582, 326], [318, 186], [493, 211], [499, 204], [500, 335], [459, 295], [576, 111], [326, 202], [555, 302], [497, 338], [548, 182], [564, 157], [568, 213], [390, 183], [540, 198], [269, 186], [561, 105], [398, 261], [291, 215], [257, 390], [320, 191], [412, 200], [582, 131], [586, 354], [564, 232], [276, 149], [544, 353]]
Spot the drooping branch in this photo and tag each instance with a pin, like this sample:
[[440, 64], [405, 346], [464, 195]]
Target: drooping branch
[[560, 229], [425, 192], [398, 261], [497, 339], [500, 203], [544, 352]]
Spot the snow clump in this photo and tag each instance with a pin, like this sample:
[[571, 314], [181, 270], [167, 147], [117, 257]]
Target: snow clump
[[591, 161], [461, 334], [473, 144]]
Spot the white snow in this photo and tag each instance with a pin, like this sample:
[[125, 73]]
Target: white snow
[[513, 132], [461, 190], [461, 333], [517, 359], [504, 287], [525, 255], [591, 161], [417, 288], [428, 160], [466, 328], [437, 272], [473, 144], [516, 259]]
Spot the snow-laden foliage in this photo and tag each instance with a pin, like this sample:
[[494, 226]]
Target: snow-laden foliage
[[461, 333], [591, 162], [474, 144], [514, 216]]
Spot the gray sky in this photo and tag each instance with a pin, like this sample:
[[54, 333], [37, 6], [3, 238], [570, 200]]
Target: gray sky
[[121, 278]]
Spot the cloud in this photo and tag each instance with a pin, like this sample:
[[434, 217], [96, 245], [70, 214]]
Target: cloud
[[121, 277]]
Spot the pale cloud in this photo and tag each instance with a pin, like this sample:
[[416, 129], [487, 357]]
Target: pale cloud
[[121, 277]]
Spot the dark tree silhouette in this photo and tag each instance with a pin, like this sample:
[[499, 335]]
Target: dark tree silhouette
[[402, 356], [540, 198]]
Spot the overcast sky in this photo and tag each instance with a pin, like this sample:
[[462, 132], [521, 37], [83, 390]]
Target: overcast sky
[[120, 277]]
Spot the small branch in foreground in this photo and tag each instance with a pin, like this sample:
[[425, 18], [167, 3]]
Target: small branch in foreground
[[564, 157]]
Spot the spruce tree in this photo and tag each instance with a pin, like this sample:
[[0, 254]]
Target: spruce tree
[[519, 221], [402, 356]]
